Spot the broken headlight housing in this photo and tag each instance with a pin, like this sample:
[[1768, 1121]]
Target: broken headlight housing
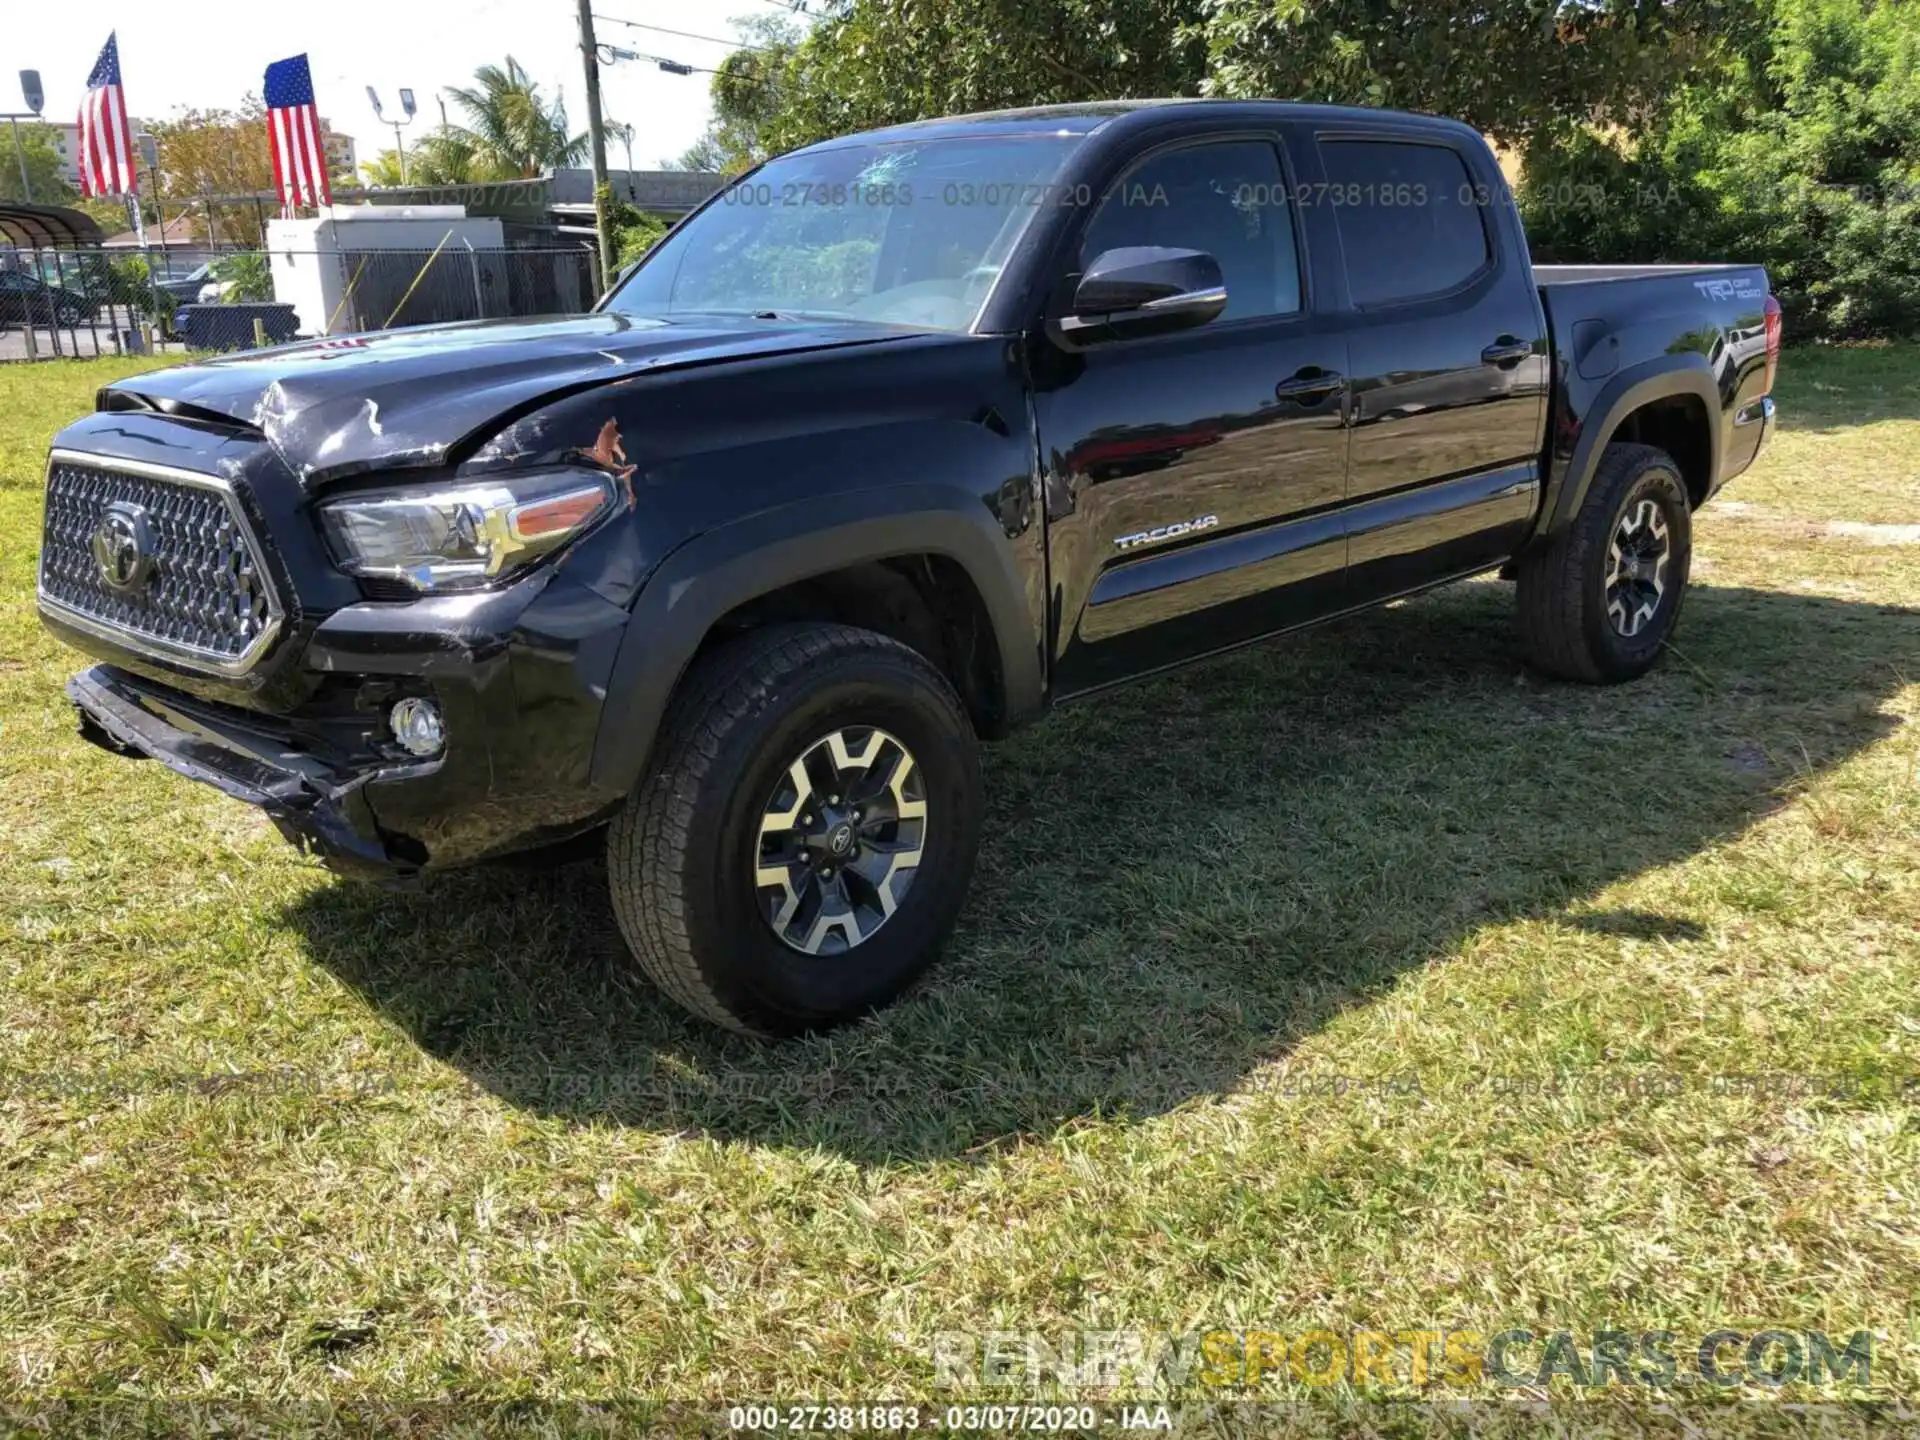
[[463, 536]]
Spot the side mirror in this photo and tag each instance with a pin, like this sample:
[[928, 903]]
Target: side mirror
[[1142, 290]]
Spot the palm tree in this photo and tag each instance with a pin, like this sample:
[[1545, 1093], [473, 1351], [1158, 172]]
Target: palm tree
[[511, 127], [445, 156]]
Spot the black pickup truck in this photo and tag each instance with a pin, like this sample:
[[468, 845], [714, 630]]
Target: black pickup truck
[[897, 441]]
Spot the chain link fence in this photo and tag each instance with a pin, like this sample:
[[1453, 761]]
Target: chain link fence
[[121, 301]]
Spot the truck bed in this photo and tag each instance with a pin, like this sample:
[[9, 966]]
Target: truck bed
[[1585, 274]]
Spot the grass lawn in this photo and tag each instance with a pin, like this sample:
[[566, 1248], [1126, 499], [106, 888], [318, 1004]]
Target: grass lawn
[[1362, 980]]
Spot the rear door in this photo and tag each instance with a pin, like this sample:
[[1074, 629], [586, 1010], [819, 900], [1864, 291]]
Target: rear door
[[1194, 479], [1447, 353]]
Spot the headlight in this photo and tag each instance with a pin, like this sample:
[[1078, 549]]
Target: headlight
[[461, 537]]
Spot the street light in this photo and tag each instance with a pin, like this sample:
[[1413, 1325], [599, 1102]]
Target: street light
[[624, 133], [406, 104]]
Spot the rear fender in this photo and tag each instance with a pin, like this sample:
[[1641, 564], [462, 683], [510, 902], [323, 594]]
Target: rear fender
[[1624, 393]]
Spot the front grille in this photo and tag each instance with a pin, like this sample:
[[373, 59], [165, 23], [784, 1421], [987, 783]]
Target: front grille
[[204, 596]]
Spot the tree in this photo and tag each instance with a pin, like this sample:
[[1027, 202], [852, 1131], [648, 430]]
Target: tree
[[511, 126], [383, 170], [879, 62], [706, 153], [749, 92], [109, 212], [49, 185], [448, 155], [244, 278], [1512, 68], [1802, 151], [211, 153]]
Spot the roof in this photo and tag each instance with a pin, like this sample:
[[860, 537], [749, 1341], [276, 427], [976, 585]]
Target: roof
[[1088, 116], [183, 229], [37, 226]]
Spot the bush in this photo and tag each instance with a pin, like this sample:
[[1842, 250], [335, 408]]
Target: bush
[[634, 231], [245, 278], [1802, 154], [131, 285]]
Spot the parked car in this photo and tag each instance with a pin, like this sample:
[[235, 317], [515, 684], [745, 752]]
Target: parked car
[[25, 297], [193, 287], [897, 442]]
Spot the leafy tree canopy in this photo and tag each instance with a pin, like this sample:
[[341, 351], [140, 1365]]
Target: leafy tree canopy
[[1801, 152], [48, 185], [1511, 67]]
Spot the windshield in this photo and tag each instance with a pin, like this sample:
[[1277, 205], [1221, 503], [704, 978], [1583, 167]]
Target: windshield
[[902, 233]]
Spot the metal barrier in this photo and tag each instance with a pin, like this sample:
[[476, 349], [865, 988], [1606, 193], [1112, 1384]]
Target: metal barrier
[[84, 302], [383, 288], [74, 303]]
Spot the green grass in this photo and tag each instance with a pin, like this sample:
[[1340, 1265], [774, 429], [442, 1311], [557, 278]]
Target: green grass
[[463, 1155]]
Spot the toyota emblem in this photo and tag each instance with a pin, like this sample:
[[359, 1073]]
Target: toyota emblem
[[122, 547]]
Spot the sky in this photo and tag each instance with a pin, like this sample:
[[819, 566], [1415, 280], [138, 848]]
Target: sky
[[211, 53]]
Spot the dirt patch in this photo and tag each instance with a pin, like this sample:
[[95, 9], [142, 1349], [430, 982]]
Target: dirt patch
[[1792, 525]]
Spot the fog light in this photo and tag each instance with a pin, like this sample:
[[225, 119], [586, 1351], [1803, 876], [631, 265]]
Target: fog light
[[416, 725]]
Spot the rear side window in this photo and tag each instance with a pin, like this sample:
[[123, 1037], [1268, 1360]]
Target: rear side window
[[1409, 219]]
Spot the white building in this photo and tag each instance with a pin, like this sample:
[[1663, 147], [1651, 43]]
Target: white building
[[343, 156], [66, 144]]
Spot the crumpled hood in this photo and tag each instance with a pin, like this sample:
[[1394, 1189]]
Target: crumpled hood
[[414, 397]]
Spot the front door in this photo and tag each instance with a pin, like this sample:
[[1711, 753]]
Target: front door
[[1194, 479]]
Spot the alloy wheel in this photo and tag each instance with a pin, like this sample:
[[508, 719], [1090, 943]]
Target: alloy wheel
[[1637, 557], [840, 842]]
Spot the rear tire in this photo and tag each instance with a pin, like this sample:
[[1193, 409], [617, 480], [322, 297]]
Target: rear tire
[[761, 735], [1599, 603]]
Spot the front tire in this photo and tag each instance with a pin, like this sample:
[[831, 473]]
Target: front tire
[[1599, 603], [801, 844]]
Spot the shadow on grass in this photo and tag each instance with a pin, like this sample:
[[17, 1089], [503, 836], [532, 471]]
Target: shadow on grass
[[1179, 882]]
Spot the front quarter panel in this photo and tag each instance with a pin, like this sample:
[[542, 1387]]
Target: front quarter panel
[[740, 479]]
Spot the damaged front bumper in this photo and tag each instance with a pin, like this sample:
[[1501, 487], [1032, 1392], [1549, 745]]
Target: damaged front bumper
[[322, 810]]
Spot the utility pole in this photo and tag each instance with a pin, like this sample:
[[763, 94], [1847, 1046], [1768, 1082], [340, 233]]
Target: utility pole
[[590, 59]]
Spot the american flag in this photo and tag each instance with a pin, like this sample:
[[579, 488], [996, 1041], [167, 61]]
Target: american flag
[[106, 140], [293, 134]]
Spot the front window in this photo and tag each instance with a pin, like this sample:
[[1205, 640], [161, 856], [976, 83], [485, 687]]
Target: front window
[[910, 232]]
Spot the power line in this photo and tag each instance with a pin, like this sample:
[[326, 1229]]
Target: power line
[[611, 53], [683, 34]]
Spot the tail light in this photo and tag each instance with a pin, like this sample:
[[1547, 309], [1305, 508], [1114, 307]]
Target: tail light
[[1773, 341]]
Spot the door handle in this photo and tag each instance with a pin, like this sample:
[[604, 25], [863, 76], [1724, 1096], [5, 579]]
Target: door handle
[[1309, 386], [1506, 352]]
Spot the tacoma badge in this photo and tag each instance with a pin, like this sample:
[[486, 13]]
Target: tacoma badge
[[1167, 532]]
